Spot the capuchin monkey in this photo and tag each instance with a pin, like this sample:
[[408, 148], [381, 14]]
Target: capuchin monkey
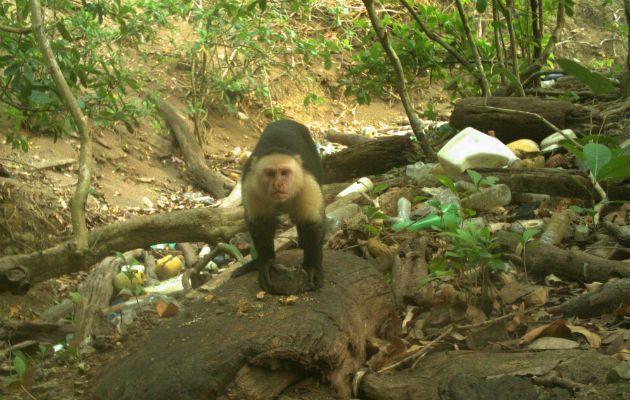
[[283, 176]]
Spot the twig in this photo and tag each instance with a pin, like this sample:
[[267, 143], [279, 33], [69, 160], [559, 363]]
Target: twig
[[418, 354]]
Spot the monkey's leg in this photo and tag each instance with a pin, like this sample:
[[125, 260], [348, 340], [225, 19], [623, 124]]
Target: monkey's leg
[[311, 236]]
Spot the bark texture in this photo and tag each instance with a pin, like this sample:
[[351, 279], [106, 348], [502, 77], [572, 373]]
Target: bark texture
[[238, 347], [19, 272], [508, 127], [213, 182], [370, 158]]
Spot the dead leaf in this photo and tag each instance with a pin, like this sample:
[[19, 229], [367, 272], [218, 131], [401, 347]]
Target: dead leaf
[[552, 280], [515, 323], [592, 338], [514, 291], [376, 248], [165, 310], [556, 328], [553, 343], [592, 287], [536, 298], [475, 315], [289, 300]]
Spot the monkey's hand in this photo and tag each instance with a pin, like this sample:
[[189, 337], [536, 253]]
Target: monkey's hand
[[315, 276], [264, 275]]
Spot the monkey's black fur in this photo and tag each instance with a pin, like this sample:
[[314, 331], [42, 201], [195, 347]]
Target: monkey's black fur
[[288, 137]]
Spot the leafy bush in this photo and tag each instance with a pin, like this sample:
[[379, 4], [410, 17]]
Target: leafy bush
[[86, 41]]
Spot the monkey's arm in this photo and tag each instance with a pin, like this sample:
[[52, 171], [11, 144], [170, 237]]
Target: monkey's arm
[[262, 230], [311, 236]]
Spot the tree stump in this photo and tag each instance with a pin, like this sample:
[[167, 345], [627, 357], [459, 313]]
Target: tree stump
[[237, 347]]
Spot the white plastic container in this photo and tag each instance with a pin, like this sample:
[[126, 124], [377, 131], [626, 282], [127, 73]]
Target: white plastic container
[[553, 141], [473, 149], [362, 185]]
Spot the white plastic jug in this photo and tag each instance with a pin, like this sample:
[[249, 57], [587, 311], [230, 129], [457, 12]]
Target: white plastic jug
[[473, 149]]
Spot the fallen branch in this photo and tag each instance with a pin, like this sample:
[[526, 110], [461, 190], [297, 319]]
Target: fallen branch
[[19, 272]]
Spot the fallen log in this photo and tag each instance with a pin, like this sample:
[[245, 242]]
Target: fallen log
[[544, 259], [19, 272], [213, 182], [437, 369], [239, 347], [508, 127], [609, 298], [370, 158], [554, 182], [96, 294], [347, 139]]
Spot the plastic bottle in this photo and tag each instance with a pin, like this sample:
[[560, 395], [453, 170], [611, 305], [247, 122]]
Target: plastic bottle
[[449, 215], [362, 185], [488, 198], [555, 229]]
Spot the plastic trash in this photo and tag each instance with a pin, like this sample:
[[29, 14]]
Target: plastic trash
[[422, 173], [334, 218], [404, 211], [473, 149], [523, 146], [362, 185], [444, 196], [168, 267], [556, 229], [450, 215], [553, 141], [488, 198]]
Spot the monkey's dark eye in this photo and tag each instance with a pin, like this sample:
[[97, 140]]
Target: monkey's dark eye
[[270, 174], [285, 172]]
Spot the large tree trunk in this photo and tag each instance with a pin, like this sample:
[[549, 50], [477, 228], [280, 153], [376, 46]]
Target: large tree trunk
[[238, 347], [369, 158], [19, 272], [509, 127], [213, 182]]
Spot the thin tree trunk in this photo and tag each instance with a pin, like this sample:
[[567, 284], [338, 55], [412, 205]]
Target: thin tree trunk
[[416, 125], [77, 205], [485, 86]]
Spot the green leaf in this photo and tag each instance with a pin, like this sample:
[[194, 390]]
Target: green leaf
[[75, 296], [530, 233], [446, 181], [61, 27], [511, 77], [598, 83], [576, 152], [481, 6], [19, 364], [39, 97], [597, 155], [474, 175], [617, 168], [371, 230]]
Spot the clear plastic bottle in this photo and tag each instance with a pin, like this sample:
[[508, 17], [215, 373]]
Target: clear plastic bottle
[[488, 198], [555, 229]]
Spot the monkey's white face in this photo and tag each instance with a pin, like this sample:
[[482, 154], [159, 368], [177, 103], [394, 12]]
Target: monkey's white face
[[279, 176]]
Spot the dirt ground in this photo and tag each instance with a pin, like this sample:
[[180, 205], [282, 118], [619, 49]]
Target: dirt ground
[[142, 173]]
